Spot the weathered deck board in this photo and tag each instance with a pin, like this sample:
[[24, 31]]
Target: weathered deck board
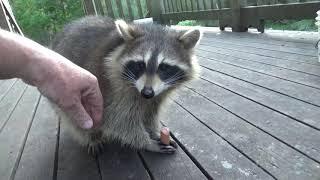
[[116, 159], [264, 52], [13, 135], [5, 87], [269, 153], [213, 153], [9, 102], [295, 109], [171, 167], [73, 159], [38, 157], [293, 76], [221, 54], [288, 131], [294, 90], [310, 52]]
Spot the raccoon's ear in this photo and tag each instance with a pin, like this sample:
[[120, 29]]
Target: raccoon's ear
[[126, 31], [190, 38]]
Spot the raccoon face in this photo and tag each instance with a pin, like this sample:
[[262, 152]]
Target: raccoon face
[[155, 59]]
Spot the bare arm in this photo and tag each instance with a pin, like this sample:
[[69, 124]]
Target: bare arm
[[74, 89]]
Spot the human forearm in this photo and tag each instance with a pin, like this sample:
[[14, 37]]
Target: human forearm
[[19, 57], [74, 89]]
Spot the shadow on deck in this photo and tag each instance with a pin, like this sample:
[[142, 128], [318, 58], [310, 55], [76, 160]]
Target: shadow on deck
[[253, 114]]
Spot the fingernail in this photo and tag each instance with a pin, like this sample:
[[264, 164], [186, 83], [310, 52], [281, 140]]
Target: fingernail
[[87, 124]]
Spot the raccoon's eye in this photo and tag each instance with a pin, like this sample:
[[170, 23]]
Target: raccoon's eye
[[166, 71], [136, 68]]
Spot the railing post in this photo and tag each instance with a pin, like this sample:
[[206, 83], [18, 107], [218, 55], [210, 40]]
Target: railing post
[[89, 7], [4, 23], [237, 26], [155, 10]]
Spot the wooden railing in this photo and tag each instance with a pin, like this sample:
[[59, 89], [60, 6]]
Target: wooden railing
[[125, 9], [7, 19], [238, 14]]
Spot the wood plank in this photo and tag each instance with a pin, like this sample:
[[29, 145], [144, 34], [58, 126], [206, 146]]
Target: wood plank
[[10, 101], [272, 155], [130, 12], [301, 39], [198, 5], [99, 8], [14, 134], [5, 87], [221, 53], [109, 8], [173, 166], [4, 24], [172, 6], [296, 135], [279, 37], [293, 90], [204, 5], [309, 61], [307, 10], [89, 7], [192, 5], [312, 52], [120, 9], [38, 157], [295, 109], [183, 6], [73, 159], [293, 76], [268, 53], [212, 152], [139, 9], [252, 38], [121, 163]]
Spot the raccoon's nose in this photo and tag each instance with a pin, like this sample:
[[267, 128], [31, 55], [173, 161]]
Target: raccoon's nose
[[147, 92]]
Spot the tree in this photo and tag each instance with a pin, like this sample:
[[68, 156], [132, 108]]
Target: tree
[[41, 19]]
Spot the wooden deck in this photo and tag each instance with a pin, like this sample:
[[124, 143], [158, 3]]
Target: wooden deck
[[253, 114]]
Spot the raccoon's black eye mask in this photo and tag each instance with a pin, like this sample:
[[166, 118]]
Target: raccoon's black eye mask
[[135, 68], [168, 73]]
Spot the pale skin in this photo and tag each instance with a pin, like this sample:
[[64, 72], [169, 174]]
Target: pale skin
[[73, 89]]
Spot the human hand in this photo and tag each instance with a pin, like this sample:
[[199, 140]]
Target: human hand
[[73, 89]]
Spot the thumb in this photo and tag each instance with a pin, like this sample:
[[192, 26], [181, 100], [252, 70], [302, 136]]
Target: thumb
[[80, 116]]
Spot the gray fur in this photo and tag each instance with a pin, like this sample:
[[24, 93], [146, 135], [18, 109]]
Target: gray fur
[[96, 44]]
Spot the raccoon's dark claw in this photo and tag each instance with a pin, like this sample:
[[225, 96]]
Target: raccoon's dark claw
[[167, 149], [95, 149], [159, 147]]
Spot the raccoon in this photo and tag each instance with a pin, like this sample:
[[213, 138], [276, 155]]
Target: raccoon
[[137, 66]]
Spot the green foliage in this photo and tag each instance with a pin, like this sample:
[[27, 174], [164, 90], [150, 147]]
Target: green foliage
[[41, 19], [302, 25], [189, 23]]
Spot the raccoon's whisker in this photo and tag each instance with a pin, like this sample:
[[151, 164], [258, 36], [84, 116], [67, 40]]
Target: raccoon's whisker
[[175, 77], [129, 75], [127, 70], [174, 80], [129, 78]]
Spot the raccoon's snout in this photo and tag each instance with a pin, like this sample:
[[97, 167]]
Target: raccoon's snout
[[147, 92]]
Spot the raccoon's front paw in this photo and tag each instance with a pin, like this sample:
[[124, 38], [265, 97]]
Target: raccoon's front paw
[[159, 147], [95, 145], [95, 148]]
